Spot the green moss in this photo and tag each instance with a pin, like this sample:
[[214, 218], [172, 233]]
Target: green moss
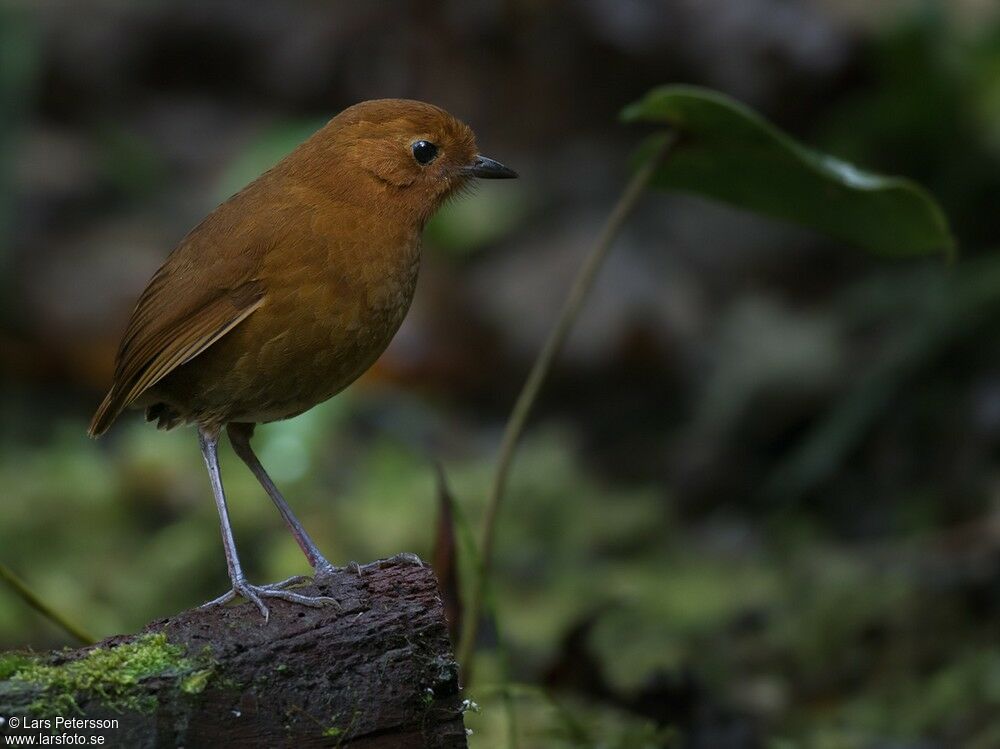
[[109, 674], [341, 733], [196, 682], [11, 663]]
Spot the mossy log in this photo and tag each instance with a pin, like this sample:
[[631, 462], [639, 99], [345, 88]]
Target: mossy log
[[378, 672]]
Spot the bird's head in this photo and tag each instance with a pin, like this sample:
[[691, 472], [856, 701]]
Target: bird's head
[[416, 151]]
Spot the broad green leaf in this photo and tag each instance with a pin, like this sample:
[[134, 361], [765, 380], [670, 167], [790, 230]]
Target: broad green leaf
[[728, 152]]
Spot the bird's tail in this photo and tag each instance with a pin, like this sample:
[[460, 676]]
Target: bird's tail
[[107, 412]]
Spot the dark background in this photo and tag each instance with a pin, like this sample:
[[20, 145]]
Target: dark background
[[758, 503]]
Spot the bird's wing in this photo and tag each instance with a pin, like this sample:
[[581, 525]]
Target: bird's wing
[[206, 288]]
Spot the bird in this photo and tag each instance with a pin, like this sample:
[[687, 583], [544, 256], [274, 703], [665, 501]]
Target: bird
[[289, 291]]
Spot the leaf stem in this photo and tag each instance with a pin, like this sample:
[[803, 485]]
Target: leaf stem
[[582, 284], [29, 597]]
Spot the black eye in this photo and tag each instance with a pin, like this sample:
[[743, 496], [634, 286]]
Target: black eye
[[424, 151]]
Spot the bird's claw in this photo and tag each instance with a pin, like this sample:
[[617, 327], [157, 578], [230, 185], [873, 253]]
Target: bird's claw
[[324, 570], [287, 583], [407, 557], [255, 594]]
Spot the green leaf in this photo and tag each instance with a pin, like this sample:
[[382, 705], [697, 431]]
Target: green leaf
[[465, 226], [270, 147], [728, 152]]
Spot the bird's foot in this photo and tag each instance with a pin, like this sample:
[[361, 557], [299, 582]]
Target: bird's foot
[[324, 570], [256, 593], [406, 557]]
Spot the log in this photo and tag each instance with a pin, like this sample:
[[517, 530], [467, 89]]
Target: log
[[379, 672]]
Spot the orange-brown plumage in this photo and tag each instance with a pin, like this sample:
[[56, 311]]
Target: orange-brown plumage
[[290, 290]]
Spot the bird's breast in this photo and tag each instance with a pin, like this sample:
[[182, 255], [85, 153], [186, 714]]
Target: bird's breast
[[321, 328]]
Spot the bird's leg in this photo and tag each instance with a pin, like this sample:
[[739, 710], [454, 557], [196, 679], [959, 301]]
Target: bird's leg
[[239, 436], [209, 442]]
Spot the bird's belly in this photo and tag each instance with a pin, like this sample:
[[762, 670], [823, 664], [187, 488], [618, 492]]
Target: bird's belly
[[300, 348]]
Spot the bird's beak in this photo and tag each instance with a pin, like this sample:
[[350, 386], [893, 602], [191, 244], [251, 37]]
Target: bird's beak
[[485, 168]]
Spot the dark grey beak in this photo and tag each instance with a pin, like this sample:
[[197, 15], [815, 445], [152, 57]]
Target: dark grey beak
[[485, 168]]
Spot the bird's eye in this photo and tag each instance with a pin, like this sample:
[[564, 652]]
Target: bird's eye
[[424, 151]]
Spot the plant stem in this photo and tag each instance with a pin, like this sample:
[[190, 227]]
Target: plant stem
[[582, 284], [28, 596]]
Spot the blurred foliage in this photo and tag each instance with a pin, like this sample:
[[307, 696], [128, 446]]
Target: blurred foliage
[[936, 307], [18, 62], [786, 625], [729, 152], [478, 219], [930, 111], [264, 151]]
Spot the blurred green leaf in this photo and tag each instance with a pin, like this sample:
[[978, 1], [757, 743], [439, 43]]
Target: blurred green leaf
[[728, 152], [464, 226], [263, 152]]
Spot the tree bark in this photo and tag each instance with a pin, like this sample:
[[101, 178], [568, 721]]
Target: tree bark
[[378, 672]]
